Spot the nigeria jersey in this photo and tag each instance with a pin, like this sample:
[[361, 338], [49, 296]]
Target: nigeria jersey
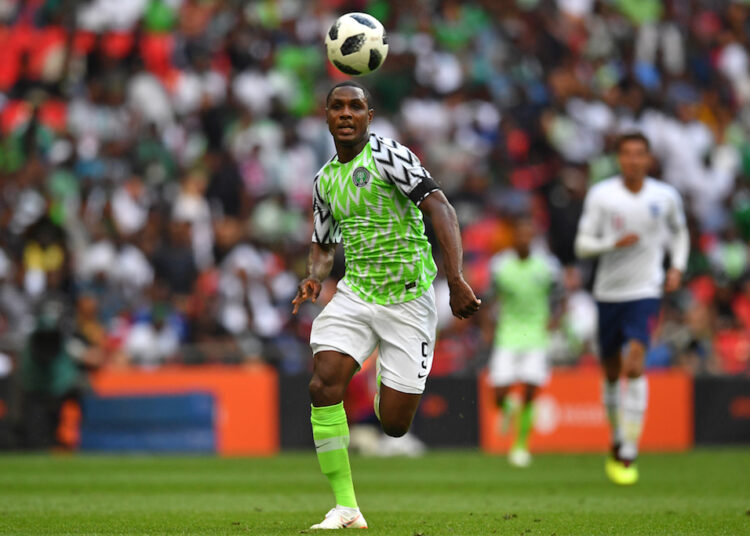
[[523, 287], [370, 204]]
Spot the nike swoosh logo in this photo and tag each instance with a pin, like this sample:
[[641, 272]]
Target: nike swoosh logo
[[348, 523], [324, 444], [420, 375]]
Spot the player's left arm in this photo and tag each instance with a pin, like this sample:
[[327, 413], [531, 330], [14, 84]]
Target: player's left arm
[[679, 246], [557, 297], [463, 301], [397, 164]]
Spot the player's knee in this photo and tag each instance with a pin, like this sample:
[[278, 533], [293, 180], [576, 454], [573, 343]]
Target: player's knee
[[395, 426], [324, 394], [395, 429], [634, 361], [633, 370], [612, 368], [529, 393], [500, 394]]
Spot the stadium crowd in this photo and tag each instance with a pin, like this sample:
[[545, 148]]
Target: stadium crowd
[[158, 155]]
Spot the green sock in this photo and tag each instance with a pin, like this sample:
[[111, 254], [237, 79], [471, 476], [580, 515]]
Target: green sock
[[506, 414], [378, 381], [507, 407], [331, 434], [376, 402], [525, 422]]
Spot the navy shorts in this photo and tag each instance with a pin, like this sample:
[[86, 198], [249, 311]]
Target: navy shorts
[[620, 322]]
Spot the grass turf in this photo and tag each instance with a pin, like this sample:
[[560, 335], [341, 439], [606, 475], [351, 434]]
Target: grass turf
[[443, 493]]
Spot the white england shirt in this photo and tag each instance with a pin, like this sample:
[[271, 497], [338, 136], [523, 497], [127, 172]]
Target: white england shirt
[[655, 214]]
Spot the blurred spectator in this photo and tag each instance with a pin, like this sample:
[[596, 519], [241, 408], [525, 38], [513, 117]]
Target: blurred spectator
[[174, 262], [51, 372]]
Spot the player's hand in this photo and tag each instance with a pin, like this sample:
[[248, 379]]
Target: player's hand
[[627, 241], [463, 301], [308, 289], [673, 280]]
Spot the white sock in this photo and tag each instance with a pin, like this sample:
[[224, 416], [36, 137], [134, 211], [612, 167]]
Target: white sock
[[633, 408], [347, 509], [611, 399]]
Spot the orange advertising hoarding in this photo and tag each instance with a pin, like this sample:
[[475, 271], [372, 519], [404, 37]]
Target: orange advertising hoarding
[[247, 407], [570, 417]]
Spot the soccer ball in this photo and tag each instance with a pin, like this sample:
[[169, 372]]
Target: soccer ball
[[356, 44]]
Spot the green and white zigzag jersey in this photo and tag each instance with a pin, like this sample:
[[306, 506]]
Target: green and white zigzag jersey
[[370, 203]]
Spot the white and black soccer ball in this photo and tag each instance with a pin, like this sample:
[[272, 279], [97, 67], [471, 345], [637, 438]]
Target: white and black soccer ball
[[356, 44]]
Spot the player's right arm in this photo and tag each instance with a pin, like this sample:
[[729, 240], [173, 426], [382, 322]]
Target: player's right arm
[[589, 240], [325, 238], [557, 297], [319, 265]]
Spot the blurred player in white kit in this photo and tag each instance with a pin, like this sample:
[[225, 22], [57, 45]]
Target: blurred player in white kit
[[629, 221]]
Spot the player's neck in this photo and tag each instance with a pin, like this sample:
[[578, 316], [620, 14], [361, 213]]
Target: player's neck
[[634, 184], [347, 153], [523, 253]]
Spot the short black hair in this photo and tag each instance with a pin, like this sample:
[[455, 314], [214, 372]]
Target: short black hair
[[622, 139], [352, 83]]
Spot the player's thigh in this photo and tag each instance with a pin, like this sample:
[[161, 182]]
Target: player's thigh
[[640, 320], [396, 410], [407, 343], [332, 372], [502, 367], [534, 368], [344, 326], [610, 334]]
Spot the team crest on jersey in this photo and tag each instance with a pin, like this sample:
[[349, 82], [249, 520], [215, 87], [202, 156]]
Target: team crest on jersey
[[654, 209], [360, 177]]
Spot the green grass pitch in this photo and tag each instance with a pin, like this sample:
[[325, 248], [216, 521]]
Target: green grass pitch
[[443, 493]]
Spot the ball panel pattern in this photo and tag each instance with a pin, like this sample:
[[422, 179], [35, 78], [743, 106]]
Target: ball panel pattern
[[356, 44], [346, 69], [353, 44], [364, 20]]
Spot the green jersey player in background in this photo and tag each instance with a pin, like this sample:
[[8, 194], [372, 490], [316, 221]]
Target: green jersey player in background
[[371, 196], [524, 281]]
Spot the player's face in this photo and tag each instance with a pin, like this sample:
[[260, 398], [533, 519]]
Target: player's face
[[348, 115], [524, 234], [634, 159]]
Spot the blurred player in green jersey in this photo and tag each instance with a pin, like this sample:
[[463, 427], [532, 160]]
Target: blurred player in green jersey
[[525, 282]]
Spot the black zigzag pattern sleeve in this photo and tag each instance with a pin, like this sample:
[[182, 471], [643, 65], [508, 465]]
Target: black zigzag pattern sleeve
[[400, 166], [325, 229]]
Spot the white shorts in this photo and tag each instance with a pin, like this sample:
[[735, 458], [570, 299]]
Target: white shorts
[[405, 333], [518, 366]]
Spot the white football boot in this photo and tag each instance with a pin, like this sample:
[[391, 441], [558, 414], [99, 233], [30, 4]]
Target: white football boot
[[342, 517], [519, 457]]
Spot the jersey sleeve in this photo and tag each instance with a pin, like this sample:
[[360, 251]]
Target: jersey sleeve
[[554, 269], [398, 165], [495, 268], [325, 228], [676, 216], [589, 242], [679, 246], [555, 280]]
